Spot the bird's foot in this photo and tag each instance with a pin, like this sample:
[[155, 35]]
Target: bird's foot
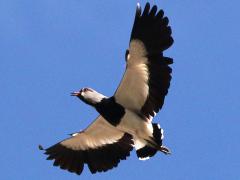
[[165, 150]]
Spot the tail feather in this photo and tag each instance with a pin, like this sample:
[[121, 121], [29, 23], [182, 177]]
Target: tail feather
[[157, 133], [150, 148], [158, 137], [146, 152]]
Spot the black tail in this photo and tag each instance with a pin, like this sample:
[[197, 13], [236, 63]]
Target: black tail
[[157, 134], [151, 149], [146, 152], [158, 137]]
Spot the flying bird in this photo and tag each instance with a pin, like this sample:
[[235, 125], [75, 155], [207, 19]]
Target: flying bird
[[125, 120]]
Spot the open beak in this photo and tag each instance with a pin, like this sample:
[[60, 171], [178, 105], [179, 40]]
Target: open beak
[[75, 93]]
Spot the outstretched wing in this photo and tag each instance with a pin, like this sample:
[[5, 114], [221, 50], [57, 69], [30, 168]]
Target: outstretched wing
[[100, 146], [147, 77]]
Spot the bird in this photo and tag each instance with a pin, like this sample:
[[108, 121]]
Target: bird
[[125, 120]]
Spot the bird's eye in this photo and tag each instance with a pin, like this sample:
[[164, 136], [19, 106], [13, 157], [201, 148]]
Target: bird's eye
[[87, 89], [82, 90]]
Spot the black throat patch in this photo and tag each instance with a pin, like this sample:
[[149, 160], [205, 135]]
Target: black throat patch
[[110, 110]]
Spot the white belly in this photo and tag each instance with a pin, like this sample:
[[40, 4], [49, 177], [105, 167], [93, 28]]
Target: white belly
[[135, 125]]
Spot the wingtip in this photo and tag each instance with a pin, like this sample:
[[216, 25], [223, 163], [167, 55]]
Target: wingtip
[[138, 5], [40, 147], [148, 5], [138, 9]]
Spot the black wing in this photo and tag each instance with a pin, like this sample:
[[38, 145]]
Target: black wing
[[100, 146], [147, 77]]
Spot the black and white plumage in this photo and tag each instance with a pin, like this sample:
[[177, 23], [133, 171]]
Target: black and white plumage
[[125, 120], [100, 146]]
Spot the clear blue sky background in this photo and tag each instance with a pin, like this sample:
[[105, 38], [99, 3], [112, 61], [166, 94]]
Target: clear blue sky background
[[50, 48]]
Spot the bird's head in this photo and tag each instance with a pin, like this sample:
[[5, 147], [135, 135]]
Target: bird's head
[[89, 96]]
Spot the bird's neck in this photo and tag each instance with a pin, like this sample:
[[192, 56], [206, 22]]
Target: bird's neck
[[110, 110]]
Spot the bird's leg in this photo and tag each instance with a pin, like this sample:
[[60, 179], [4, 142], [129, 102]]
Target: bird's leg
[[165, 150]]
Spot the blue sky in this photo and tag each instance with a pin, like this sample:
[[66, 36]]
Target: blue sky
[[50, 48]]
